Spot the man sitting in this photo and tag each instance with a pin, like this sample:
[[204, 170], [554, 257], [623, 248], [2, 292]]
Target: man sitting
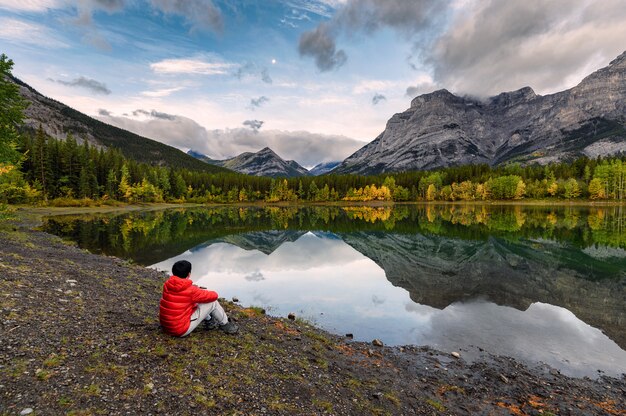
[[184, 305]]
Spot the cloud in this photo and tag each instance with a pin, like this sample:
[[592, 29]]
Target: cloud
[[92, 85], [494, 46], [255, 125], [306, 148], [154, 114], [200, 14], [30, 5], [103, 112], [291, 19], [265, 76], [190, 66], [256, 276], [409, 17], [378, 98], [164, 92], [424, 84], [319, 44], [86, 8], [258, 102], [484, 47], [374, 85], [21, 32], [250, 69]]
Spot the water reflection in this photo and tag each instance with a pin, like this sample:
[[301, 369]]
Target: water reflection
[[524, 282]]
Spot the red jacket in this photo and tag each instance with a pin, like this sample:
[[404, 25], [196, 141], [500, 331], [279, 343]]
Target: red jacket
[[180, 299]]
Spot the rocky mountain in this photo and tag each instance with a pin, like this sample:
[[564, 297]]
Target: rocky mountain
[[441, 129], [262, 163], [323, 168], [58, 120]]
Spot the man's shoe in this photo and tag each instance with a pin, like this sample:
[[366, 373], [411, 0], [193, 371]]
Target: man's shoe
[[210, 324], [229, 328]]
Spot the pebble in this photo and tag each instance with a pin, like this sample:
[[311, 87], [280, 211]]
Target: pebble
[[455, 354], [377, 395], [504, 379], [26, 411], [377, 343], [292, 316]]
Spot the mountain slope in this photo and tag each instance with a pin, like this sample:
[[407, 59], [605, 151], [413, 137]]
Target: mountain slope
[[441, 129], [58, 120], [323, 168], [262, 163]]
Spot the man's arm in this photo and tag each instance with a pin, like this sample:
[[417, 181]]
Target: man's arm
[[201, 295]]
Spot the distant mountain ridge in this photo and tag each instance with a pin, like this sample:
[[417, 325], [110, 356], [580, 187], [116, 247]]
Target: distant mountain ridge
[[58, 120], [323, 168], [265, 162], [441, 129]]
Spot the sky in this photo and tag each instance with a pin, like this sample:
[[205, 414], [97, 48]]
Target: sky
[[314, 80]]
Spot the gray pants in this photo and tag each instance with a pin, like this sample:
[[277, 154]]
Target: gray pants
[[207, 311]]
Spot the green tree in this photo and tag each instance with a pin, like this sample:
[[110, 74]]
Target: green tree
[[313, 191], [124, 186], [12, 107], [596, 189], [571, 189]]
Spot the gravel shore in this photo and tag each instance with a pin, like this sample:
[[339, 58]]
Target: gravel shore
[[79, 335]]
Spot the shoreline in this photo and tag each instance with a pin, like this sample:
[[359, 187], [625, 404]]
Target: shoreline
[[103, 353], [39, 211]]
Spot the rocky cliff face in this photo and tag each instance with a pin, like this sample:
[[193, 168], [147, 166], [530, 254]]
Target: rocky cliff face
[[262, 163], [442, 129]]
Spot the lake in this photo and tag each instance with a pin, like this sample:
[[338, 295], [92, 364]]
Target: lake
[[542, 284]]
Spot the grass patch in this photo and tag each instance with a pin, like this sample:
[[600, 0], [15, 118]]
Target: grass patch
[[17, 368], [253, 311], [276, 404], [65, 401], [53, 360], [93, 390], [43, 375], [437, 405], [317, 337], [322, 405], [392, 398]]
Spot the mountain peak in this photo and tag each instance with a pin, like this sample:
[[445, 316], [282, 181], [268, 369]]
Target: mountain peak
[[439, 95], [265, 162], [266, 150], [509, 98]]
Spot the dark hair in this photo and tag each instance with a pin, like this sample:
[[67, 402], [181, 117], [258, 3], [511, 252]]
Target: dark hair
[[181, 268]]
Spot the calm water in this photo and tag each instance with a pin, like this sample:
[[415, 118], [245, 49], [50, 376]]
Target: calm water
[[541, 284]]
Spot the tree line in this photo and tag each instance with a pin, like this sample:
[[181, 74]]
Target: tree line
[[66, 170]]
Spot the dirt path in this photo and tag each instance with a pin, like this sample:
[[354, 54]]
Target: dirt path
[[79, 335]]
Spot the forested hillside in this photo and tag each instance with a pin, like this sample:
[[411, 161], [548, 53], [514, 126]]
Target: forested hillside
[[64, 169]]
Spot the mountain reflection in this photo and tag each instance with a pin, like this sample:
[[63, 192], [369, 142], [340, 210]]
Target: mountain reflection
[[501, 277]]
